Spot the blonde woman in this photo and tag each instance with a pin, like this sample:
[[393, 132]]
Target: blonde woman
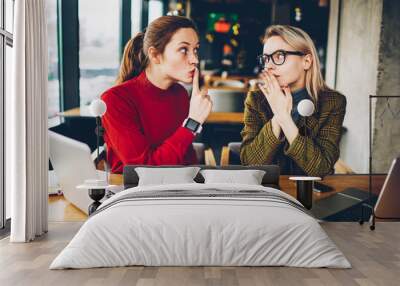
[[274, 132]]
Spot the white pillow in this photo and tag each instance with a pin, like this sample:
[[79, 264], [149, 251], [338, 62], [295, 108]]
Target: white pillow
[[249, 177], [163, 176]]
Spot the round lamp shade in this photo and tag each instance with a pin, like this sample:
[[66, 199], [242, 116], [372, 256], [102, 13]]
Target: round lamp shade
[[305, 107], [98, 107]]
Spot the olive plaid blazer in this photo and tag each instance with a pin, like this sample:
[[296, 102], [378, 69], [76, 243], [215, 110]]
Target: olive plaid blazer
[[313, 152]]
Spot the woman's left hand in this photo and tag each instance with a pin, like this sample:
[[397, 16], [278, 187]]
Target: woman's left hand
[[279, 99]]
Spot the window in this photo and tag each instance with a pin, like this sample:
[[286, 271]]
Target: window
[[98, 47], [73, 84], [53, 77], [136, 17], [9, 11], [155, 9], [8, 91], [6, 43]]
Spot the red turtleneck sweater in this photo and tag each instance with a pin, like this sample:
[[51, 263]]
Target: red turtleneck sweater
[[143, 125]]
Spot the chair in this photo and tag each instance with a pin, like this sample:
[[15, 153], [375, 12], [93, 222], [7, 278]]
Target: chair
[[204, 156], [342, 168], [230, 155]]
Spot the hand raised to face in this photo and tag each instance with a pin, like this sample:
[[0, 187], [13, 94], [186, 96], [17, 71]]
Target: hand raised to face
[[279, 98], [200, 102]]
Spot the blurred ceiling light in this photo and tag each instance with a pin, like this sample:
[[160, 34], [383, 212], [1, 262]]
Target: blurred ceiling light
[[210, 37], [235, 29], [234, 43], [222, 25], [175, 9], [323, 3], [297, 12], [173, 13]]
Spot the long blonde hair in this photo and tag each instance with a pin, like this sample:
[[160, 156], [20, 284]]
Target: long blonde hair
[[301, 41]]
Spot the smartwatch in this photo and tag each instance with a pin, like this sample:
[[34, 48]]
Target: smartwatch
[[192, 125]]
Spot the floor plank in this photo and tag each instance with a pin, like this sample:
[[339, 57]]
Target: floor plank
[[375, 257]]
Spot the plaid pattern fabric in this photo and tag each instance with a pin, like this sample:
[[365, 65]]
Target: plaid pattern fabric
[[313, 152]]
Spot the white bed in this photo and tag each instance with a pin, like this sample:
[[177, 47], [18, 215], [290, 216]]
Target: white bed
[[201, 224]]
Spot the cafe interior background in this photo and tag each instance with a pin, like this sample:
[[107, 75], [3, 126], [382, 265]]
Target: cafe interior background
[[230, 40], [354, 43]]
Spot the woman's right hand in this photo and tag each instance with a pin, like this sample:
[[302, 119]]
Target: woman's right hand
[[279, 98], [266, 89], [200, 102]]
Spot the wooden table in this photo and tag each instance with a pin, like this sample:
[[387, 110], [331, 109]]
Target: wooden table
[[225, 117], [339, 182], [76, 112], [243, 90], [214, 117], [210, 79], [115, 179]]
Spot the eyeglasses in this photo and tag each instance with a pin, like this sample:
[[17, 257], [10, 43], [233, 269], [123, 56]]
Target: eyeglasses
[[278, 57]]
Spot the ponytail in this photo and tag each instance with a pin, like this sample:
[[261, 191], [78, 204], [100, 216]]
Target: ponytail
[[133, 59], [157, 35]]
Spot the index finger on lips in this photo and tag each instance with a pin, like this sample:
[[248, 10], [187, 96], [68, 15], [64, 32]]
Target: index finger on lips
[[196, 76], [203, 92]]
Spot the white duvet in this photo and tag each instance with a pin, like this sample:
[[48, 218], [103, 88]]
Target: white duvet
[[185, 230]]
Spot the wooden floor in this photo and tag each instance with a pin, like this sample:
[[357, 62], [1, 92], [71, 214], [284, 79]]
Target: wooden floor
[[374, 255], [60, 210]]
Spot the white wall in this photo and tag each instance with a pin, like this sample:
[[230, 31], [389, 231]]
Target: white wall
[[356, 74]]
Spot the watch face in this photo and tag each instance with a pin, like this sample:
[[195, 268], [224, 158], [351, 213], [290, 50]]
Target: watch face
[[192, 125]]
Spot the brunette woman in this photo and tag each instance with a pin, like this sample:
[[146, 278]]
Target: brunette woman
[[150, 118]]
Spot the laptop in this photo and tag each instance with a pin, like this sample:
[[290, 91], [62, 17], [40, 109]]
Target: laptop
[[73, 164], [388, 203]]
